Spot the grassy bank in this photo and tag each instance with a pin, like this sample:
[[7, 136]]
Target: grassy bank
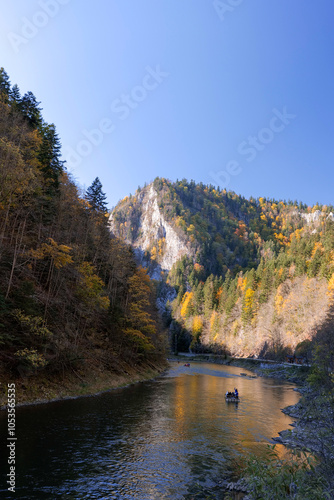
[[39, 388]]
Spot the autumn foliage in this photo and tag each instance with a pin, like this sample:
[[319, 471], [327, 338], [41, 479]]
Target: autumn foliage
[[71, 294]]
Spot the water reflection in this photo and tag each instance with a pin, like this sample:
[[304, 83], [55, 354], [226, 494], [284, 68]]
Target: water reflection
[[158, 440]]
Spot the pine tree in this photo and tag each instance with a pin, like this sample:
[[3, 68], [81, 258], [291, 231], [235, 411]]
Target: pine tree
[[30, 109], [96, 197], [208, 295], [49, 156], [15, 98], [4, 82]]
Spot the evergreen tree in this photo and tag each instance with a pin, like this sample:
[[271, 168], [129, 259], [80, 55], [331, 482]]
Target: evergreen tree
[[208, 295], [96, 197], [266, 281], [4, 82], [198, 299], [314, 264], [30, 109], [15, 98], [49, 156]]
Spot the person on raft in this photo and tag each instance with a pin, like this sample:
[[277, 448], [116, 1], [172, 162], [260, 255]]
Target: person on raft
[[236, 394]]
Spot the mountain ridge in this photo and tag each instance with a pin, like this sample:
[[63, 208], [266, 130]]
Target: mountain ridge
[[245, 260]]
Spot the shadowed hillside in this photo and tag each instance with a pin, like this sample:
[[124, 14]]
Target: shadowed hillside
[[72, 299]]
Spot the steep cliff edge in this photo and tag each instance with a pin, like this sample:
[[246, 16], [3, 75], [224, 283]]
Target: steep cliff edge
[[140, 222]]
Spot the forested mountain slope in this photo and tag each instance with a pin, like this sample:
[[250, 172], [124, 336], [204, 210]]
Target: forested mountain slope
[[254, 277], [71, 295]]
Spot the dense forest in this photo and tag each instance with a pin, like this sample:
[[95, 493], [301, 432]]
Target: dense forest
[[71, 295], [258, 278]]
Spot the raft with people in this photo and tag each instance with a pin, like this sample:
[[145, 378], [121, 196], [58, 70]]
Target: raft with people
[[232, 397]]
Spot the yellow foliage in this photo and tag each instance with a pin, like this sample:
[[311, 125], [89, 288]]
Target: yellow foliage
[[58, 253], [330, 291], [186, 304], [91, 287], [249, 297], [279, 303], [32, 357], [318, 246], [180, 222], [280, 272], [279, 236], [34, 325], [197, 325], [161, 244], [138, 315], [142, 342], [154, 253], [214, 324]]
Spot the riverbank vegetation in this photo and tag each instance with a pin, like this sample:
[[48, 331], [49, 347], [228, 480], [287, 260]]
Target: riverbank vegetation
[[72, 299], [306, 472]]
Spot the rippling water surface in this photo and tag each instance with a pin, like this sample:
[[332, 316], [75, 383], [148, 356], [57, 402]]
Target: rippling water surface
[[171, 438]]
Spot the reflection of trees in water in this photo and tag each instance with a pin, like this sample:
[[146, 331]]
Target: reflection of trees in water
[[177, 430]]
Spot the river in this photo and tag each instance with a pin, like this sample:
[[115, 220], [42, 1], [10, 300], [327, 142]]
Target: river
[[170, 438]]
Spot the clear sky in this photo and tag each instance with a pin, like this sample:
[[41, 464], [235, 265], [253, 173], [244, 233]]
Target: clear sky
[[233, 92]]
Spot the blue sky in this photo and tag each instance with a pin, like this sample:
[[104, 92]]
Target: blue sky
[[237, 93]]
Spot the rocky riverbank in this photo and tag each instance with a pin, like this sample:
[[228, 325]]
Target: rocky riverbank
[[314, 429], [312, 432]]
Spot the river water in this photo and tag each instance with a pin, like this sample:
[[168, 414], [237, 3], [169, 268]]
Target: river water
[[171, 438]]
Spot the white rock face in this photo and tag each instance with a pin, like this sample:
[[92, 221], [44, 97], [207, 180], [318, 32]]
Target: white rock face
[[315, 217], [152, 228]]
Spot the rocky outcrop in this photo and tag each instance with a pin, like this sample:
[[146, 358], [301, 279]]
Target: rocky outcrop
[[157, 245], [315, 216]]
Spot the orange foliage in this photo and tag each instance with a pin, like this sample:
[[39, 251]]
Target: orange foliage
[[242, 282]]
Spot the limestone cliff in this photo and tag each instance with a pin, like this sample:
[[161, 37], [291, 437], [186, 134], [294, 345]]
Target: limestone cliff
[[142, 224], [316, 216]]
